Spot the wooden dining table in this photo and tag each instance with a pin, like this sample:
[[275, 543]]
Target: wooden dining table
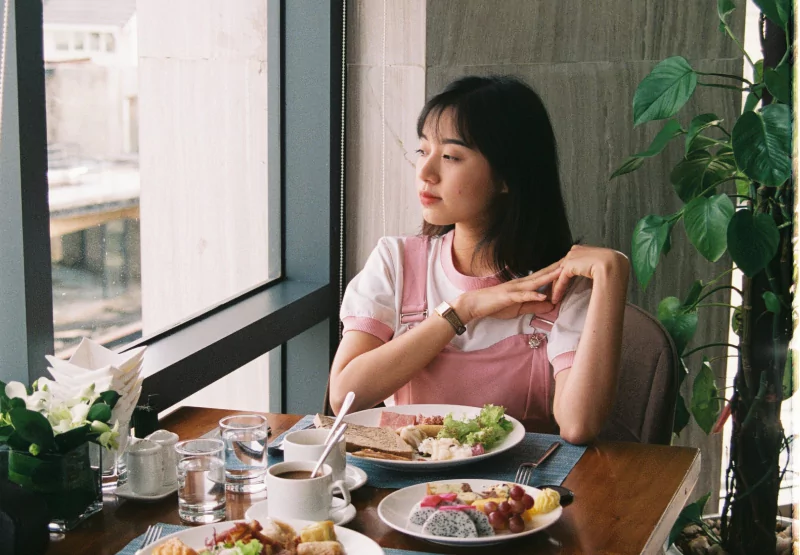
[[627, 497]]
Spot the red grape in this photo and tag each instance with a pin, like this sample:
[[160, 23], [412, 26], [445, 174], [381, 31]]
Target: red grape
[[489, 507], [516, 524], [516, 492], [517, 506], [497, 520], [527, 500], [504, 508]]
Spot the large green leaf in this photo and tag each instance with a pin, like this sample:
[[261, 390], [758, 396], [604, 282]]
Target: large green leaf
[[99, 411], [776, 10], [670, 130], [680, 323], [697, 125], [701, 142], [697, 172], [705, 405], [649, 237], [664, 91], [752, 241], [32, 427], [694, 293], [706, 222], [751, 102], [772, 302], [691, 513], [778, 82], [682, 416], [69, 440], [109, 397], [762, 144]]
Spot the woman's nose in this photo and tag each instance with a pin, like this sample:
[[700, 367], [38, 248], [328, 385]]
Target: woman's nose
[[427, 170]]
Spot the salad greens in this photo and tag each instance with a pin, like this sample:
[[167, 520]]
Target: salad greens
[[488, 428], [252, 547]]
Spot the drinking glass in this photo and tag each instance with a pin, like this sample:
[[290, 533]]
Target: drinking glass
[[201, 480], [245, 437]]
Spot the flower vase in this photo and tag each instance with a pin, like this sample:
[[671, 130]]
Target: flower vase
[[69, 483]]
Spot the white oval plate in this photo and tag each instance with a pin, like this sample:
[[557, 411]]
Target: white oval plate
[[352, 542], [395, 508], [371, 417]]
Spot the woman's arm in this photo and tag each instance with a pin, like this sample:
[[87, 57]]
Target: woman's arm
[[375, 370], [585, 392]]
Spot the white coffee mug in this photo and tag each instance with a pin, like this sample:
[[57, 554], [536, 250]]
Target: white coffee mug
[[304, 498], [169, 462], [145, 474], [308, 445]]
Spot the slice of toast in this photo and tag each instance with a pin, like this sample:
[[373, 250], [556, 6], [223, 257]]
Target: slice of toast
[[360, 438], [372, 454]]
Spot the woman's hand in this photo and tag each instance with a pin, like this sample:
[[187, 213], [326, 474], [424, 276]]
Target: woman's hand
[[588, 262], [509, 299]]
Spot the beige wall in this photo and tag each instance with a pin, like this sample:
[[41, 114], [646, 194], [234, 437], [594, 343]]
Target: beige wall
[[585, 59], [203, 161]]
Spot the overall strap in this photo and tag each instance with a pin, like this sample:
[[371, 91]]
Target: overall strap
[[415, 279]]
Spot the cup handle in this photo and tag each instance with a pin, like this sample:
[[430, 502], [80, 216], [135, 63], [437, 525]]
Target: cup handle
[[342, 488]]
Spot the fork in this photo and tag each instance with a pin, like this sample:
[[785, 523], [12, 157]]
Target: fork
[[152, 535], [525, 470]]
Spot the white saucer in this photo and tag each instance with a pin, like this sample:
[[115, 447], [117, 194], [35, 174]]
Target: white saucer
[[125, 492], [354, 477], [344, 515]]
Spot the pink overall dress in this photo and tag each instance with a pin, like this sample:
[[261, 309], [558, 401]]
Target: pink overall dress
[[514, 372]]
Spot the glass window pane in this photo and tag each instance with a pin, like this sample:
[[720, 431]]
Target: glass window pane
[[77, 41], [94, 42], [62, 40]]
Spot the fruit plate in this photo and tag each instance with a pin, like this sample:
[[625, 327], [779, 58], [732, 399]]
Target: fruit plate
[[352, 542], [396, 507], [372, 417]]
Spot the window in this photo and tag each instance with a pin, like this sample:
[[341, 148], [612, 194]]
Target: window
[[280, 300], [94, 42], [110, 43], [61, 40], [77, 41]]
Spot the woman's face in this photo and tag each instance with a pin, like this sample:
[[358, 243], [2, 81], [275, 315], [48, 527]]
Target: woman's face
[[454, 181]]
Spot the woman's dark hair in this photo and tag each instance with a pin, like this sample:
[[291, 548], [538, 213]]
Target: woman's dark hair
[[506, 121]]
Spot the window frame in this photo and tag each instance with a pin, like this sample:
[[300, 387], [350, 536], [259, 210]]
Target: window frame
[[293, 317]]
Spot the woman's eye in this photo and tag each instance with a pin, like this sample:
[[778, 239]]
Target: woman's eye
[[420, 152], [450, 157]]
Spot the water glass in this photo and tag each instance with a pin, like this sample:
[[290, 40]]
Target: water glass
[[245, 437], [201, 480]]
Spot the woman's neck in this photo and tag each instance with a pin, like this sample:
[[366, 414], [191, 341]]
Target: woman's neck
[[465, 241]]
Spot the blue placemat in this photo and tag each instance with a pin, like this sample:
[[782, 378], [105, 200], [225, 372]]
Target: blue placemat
[[131, 548], [504, 467]]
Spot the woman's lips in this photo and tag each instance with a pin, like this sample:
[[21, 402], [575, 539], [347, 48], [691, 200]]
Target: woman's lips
[[427, 199]]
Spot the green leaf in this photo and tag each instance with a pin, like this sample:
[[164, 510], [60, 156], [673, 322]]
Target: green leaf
[[682, 416], [69, 440], [697, 172], [108, 397], [706, 222], [690, 513], [16, 403], [701, 142], [680, 323], [5, 433], [698, 124], [736, 321], [664, 91], [778, 82], [100, 412], [649, 236], [772, 302], [724, 7], [776, 10], [752, 241], [759, 71], [762, 143], [743, 186], [694, 293], [32, 427], [670, 130], [705, 406], [788, 377], [751, 102]]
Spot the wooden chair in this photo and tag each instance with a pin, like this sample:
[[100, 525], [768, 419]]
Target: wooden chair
[[644, 410]]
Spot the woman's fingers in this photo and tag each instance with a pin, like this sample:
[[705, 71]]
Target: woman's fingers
[[560, 286], [536, 307]]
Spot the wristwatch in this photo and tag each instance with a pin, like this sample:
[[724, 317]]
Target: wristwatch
[[448, 313]]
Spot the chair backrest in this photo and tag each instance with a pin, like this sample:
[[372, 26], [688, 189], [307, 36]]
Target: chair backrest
[[644, 410]]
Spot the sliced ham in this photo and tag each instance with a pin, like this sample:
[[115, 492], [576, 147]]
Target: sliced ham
[[395, 420]]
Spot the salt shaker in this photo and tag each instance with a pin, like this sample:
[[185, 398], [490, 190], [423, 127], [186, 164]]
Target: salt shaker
[[169, 462], [145, 474]]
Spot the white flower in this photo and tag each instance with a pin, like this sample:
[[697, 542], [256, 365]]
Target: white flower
[[15, 390], [38, 401]]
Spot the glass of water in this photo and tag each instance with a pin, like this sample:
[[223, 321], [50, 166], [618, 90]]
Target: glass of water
[[245, 437], [201, 480]]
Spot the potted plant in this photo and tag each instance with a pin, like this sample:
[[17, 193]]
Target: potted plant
[[735, 182], [48, 439]]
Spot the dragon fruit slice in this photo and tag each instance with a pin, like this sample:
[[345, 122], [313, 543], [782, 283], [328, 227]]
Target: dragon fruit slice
[[481, 521], [450, 524], [420, 514]]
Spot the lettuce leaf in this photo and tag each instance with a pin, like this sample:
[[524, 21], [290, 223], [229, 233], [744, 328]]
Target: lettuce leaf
[[488, 428]]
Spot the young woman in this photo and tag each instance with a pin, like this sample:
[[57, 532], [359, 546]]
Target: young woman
[[492, 303]]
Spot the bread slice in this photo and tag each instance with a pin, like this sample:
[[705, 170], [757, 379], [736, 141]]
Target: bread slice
[[359, 438], [371, 454]]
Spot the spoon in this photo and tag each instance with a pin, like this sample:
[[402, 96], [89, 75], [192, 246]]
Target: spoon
[[348, 402], [328, 448]]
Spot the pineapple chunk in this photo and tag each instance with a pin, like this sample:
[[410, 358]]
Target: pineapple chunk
[[319, 532]]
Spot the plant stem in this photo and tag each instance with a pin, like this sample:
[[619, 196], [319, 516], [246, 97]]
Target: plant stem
[[727, 75], [720, 288], [707, 345], [757, 400], [722, 275], [719, 86], [726, 305], [746, 55]]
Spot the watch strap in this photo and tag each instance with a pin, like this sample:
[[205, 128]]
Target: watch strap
[[448, 313]]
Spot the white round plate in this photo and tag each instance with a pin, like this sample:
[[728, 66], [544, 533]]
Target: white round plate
[[343, 515], [395, 508], [371, 417], [352, 542], [354, 477], [125, 492]]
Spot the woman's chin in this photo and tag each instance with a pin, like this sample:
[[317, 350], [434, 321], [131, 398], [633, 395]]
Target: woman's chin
[[432, 218]]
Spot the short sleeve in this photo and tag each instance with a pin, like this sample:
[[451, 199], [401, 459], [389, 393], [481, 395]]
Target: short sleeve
[[568, 327], [369, 302]]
